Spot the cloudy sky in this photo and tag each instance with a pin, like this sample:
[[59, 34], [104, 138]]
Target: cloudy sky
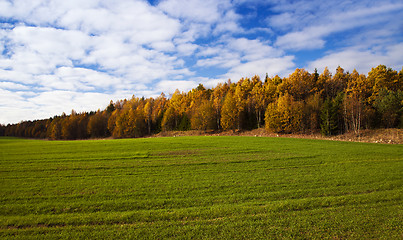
[[59, 55]]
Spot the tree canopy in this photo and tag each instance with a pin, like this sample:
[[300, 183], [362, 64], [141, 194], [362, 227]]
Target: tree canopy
[[300, 103]]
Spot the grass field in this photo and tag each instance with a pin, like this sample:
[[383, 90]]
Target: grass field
[[200, 188]]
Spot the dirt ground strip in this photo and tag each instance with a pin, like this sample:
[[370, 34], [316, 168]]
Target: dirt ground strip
[[385, 136]]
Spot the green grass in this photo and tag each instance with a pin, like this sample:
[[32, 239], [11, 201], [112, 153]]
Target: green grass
[[200, 188]]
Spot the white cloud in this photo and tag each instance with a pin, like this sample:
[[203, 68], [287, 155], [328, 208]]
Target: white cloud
[[203, 17], [15, 76], [206, 11], [187, 49], [313, 36], [127, 34], [309, 38], [13, 86], [14, 107], [38, 50], [228, 23], [169, 86], [10, 98], [11, 114], [69, 78], [253, 49], [271, 66], [245, 58], [296, 15], [56, 102], [18, 106], [58, 55], [224, 59], [361, 60], [282, 21], [80, 53], [208, 82]]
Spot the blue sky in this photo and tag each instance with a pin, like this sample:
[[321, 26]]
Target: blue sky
[[59, 55]]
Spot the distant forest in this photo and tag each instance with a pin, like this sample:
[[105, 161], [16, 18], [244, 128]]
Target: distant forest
[[303, 102]]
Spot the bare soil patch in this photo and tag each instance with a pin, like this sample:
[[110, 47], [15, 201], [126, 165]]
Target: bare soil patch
[[385, 136]]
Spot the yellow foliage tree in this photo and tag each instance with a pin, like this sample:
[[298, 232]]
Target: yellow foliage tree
[[284, 115], [204, 117], [217, 98], [229, 112]]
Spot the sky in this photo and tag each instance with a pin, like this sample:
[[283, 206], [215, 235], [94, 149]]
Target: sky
[[59, 55]]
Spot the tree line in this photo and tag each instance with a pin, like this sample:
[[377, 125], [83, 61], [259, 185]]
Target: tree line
[[303, 102]]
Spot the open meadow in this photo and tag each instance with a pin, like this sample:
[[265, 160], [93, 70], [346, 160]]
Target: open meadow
[[213, 187]]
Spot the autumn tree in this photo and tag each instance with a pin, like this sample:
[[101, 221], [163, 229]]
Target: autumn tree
[[300, 84], [175, 113], [336, 84], [382, 77], [130, 122], [74, 126], [284, 115], [272, 89], [158, 112], [323, 83], [355, 104], [311, 115], [229, 112], [98, 124], [300, 102], [170, 120], [203, 116], [400, 80], [217, 98], [258, 99], [110, 108], [54, 130], [241, 99], [200, 110], [148, 111], [123, 123], [112, 121], [273, 121], [139, 122]]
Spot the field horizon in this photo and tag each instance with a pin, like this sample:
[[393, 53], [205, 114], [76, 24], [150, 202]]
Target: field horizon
[[203, 187]]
